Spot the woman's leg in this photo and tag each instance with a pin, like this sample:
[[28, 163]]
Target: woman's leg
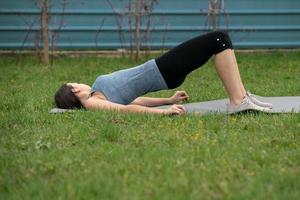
[[227, 68], [190, 55], [238, 73]]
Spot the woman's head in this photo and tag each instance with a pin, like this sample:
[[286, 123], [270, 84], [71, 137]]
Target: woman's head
[[71, 95]]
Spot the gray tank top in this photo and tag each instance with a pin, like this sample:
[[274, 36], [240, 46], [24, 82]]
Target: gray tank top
[[126, 85]]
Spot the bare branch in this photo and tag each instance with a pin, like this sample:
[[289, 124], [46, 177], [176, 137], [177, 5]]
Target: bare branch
[[44, 30], [98, 32], [130, 28], [55, 33], [119, 22], [138, 5]]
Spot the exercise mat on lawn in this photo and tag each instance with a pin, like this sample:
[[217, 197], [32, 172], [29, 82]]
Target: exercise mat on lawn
[[280, 105]]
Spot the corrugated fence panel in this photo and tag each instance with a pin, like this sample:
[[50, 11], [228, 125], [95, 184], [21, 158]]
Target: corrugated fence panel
[[95, 24]]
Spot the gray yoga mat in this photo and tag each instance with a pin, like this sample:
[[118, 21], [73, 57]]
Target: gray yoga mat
[[286, 104]]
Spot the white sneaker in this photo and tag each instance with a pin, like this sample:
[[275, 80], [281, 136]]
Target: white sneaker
[[257, 102], [246, 105]]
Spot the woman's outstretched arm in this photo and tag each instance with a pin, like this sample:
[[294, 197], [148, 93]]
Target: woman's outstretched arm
[[98, 104], [150, 101]]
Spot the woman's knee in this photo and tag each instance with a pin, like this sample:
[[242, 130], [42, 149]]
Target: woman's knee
[[223, 41], [222, 36]]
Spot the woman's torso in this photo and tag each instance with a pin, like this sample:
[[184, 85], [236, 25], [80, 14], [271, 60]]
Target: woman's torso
[[126, 85]]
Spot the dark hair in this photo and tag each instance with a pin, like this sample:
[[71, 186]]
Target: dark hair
[[65, 98]]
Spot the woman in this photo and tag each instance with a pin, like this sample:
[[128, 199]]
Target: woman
[[122, 90]]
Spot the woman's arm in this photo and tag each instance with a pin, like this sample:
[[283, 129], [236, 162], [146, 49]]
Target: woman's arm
[[98, 104], [150, 101]]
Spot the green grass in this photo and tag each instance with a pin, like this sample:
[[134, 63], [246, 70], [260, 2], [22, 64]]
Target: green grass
[[108, 155]]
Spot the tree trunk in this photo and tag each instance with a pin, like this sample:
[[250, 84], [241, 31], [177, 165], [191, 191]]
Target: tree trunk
[[213, 13], [44, 30]]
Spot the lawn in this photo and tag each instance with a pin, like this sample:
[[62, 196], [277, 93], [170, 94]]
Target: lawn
[[108, 155]]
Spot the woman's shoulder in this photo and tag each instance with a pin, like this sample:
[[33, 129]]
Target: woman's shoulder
[[97, 102], [94, 101]]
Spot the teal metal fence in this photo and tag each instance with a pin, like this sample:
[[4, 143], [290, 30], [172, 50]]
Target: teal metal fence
[[105, 24]]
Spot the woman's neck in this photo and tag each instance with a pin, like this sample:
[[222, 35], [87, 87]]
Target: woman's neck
[[98, 95]]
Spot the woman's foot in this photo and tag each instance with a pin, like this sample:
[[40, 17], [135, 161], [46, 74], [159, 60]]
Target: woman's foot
[[246, 105], [257, 102]]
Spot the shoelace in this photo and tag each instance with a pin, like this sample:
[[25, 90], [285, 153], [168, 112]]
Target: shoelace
[[246, 99]]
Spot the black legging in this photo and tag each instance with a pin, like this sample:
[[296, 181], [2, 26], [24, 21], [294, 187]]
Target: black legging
[[190, 55]]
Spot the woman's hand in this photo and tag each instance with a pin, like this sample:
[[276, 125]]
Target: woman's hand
[[179, 96], [175, 110]]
